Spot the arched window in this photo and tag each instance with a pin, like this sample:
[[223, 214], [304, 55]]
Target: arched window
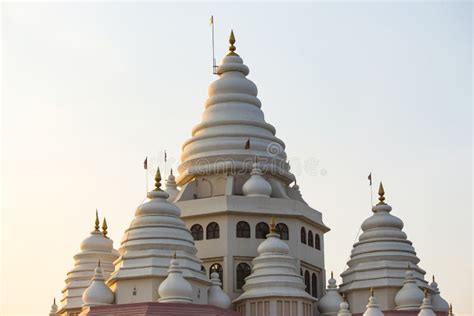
[[303, 235], [282, 229], [306, 282], [261, 230], [314, 285], [215, 267], [212, 230], [317, 242], [243, 229], [243, 271], [197, 232], [310, 238]]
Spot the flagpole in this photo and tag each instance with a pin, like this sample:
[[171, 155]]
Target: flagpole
[[213, 55]]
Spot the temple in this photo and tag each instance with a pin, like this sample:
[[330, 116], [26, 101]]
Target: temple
[[231, 234]]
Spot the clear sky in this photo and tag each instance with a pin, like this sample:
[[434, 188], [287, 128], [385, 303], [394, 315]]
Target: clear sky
[[90, 89]]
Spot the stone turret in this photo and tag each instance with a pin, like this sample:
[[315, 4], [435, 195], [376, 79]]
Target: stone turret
[[372, 308], [409, 297], [217, 296], [98, 293], [330, 303], [54, 309], [439, 304], [175, 288]]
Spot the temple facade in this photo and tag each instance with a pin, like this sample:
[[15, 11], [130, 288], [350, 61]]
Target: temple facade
[[231, 234]]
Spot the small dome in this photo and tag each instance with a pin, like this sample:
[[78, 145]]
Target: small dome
[[98, 293], [410, 296], [344, 309], [256, 185], [171, 188], [216, 295], [96, 241], [439, 304], [273, 244], [426, 309], [175, 288], [330, 303], [54, 309], [373, 309]]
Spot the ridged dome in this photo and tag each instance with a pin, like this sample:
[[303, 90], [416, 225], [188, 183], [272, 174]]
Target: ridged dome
[[256, 185], [410, 296], [98, 293], [381, 255], [439, 304], [232, 116], [175, 288], [373, 309], [156, 233], [273, 260], [216, 295], [330, 303]]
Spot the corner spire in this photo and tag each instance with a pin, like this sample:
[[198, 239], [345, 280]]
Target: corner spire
[[232, 48], [104, 228], [97, 223], [272, 225], [158, 180], [381, 194]]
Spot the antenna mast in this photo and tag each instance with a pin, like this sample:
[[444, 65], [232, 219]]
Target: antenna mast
[[214, 66]]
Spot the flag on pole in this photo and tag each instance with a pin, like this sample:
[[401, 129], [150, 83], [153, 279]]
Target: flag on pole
[[145, 163], [211, 20], [247, 144], [370, 178]]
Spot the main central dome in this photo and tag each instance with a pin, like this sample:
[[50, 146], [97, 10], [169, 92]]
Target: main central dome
[[233, 130]]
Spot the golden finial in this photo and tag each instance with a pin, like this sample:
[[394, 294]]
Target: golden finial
[[158, 180], [381, 194], [372, 291], [450, 309], [425, 291], [332, 275], [232, 42], [98, 263], [104, 228], [97, 223], [272, 225], [344, 298], [174, 255]]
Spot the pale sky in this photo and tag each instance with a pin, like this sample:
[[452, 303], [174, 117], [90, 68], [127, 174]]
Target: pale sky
[[90, 89]]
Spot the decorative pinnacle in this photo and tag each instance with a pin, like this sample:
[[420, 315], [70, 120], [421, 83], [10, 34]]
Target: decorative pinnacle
[[272, 225], [433, 278], [372, 291], [97, 223], [332, 275], [450, 309], [104, 228], [381, 194], [174, 255], [344, 298], [232, 48], [171, 171], [158, 180], [425, 292], [98, 263]]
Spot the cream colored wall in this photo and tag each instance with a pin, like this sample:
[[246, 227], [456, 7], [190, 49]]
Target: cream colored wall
[[385, 298], [275, 307]]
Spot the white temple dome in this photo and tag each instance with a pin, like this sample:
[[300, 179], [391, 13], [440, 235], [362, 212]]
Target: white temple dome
[[426, 309], [171, 187], [232, 116], [331, 302], [54, 309], [273, 260], [216, 295], [98, 293], [256, 185], [344, 309], [439, 304], [175, 288], [410, 296], [373, 309]]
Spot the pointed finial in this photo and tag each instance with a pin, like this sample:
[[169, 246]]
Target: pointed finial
[[332, 275], [372, 291], [171, 171], [174, 255], [433, 278], [104, 228], [409, 266], [381, 194], [98, 263], [97, 223], [450, 309], [425, 292], [344, 298], [232, 42], [272, 225], [158, 180], [54, 301]]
